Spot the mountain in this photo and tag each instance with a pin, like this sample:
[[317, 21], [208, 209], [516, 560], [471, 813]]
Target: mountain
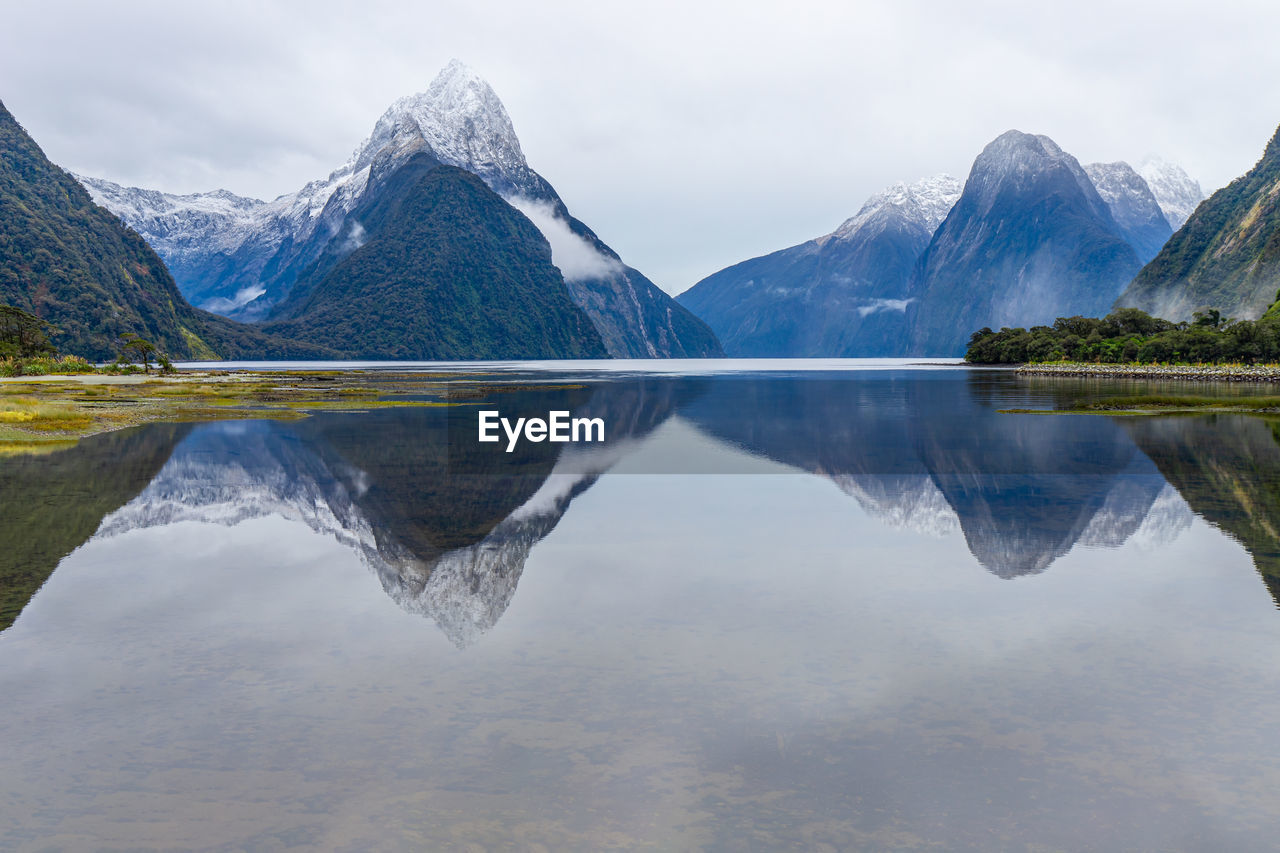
[[1175, 191], [1030, 239], [242, 257], [1133, 206], [452, 272], [1227, 254], [76, 265], [840, 295]]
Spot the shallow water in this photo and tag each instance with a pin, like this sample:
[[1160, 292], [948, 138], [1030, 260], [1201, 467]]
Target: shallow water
[[807, 608]]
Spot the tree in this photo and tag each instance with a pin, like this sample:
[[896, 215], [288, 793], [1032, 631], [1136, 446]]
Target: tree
[[22, 335], [1210, 317], [134, 347]]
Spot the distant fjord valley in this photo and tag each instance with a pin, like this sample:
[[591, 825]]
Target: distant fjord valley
[[437, 240]]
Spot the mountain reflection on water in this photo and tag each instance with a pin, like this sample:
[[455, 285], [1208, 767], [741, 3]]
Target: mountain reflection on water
[[444, 523], [931, 455], [447, 524]]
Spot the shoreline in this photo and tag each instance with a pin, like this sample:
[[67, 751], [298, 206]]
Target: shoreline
[[40, 414], [45, 413], [1183, 372]]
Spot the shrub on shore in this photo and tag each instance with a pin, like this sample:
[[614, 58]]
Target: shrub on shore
[[67, 365], [46, 366]]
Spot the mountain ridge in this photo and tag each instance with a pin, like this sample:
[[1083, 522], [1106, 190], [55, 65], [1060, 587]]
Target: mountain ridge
[[857, 291], [1133, 206], [841, 294]]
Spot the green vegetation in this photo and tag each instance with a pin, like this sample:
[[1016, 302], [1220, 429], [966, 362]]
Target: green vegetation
[[133, 347], [74, 264], [45, 366], [22, 335], [1130, 336], [35, 416], [1227, 254], [25, 350], [1186, 402]]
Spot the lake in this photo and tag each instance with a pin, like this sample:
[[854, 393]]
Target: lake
[[807, 606]]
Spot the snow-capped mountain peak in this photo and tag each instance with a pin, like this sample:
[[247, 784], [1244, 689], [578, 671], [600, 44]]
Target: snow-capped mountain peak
[[1175, 191], [1020, 160], [462, 122], [925, 202], [1133, 206]]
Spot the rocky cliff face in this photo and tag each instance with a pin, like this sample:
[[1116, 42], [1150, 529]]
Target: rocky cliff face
[[1036, 236], [446, 271], [1133, 206]]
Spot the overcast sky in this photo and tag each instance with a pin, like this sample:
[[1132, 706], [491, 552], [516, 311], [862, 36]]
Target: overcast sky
[[688, 135]]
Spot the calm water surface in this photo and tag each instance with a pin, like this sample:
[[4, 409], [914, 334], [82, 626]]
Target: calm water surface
[[809, 609]]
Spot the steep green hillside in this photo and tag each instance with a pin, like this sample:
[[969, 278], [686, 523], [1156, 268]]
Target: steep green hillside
[[1226, 256], [71, 262], [79, 267]]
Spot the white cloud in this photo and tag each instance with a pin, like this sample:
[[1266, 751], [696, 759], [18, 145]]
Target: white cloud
[[875, 305], [690, 135], [576, 258], [355, 238], [242, 298]]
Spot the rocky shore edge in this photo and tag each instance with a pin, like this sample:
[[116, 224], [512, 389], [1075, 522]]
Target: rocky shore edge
[[1193, 372]]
